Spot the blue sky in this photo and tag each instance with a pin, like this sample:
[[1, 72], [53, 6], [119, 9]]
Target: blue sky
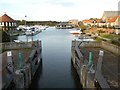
[[56, 10]]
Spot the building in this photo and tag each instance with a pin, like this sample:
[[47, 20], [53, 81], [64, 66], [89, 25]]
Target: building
[[7, 23], [98, 22], [64, 25], [113, 22], [74, 22], [87, 22], [109, 14]]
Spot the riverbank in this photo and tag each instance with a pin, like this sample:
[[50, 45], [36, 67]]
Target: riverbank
[[102, 34]]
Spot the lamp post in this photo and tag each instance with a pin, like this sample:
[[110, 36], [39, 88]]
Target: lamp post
[[25, 20], [25, 27]]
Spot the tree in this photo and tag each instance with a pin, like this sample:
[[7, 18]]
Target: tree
[[82, 26]]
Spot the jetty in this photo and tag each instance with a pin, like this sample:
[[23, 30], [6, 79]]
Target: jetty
[[19, 63], [96, 64]]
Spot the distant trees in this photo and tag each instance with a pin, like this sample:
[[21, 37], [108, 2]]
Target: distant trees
[[93, 18], [49, 23], [20, 22]]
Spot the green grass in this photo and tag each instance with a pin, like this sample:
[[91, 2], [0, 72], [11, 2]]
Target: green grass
[[114, 39], [98, 39], [111, 36]]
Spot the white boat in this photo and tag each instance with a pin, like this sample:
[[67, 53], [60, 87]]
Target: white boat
[[32, 31], [40, 27], [17, 41], [75, 31]]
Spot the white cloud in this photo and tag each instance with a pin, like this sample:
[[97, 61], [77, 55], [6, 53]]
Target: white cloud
[[56, 9]]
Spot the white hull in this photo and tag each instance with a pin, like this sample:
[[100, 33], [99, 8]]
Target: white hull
[[75, 32]]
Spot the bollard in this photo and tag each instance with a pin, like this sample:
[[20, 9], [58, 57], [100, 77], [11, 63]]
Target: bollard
[[90, 59], [20, 59]]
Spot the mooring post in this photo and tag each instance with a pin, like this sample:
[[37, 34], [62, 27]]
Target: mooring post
[[90, 58], [98, 75], [99, 64], [20, 61]]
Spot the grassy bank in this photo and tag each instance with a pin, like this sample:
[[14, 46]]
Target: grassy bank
[[113, 38]]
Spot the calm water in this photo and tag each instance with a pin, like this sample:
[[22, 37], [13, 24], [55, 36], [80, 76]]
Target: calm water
[[56, 70]]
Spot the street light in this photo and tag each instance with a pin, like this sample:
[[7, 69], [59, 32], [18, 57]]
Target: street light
[[25, 20]]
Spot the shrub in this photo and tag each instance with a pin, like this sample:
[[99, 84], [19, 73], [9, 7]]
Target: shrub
[[116, 42], [98, 39], [101, 31]]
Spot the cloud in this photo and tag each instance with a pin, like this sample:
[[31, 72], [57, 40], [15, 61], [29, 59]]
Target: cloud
[[63, 3], [56, 9]]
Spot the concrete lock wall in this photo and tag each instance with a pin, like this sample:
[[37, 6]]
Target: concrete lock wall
[[83, 75], [19, 79], [110, 47], [20, 45], [34, 62], [87, 75], [34, 59], [7, 78], [90, 80], [22, 77], [27, 75], [14, 45]]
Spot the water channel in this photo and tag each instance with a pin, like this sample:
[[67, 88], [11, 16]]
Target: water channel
[[56, 70]]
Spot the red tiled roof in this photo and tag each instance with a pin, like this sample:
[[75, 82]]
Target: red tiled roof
[[87, 21], [6, 18], [113, 19], [99, 20]]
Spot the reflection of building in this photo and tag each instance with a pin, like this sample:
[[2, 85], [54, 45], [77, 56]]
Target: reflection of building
[[64, 25], [7, 23]]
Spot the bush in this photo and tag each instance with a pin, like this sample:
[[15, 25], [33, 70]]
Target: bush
[[98, 39], [101, 31], [116, 42]]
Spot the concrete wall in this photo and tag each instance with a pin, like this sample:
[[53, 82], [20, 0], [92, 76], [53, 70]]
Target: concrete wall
[[21, 45], [105, 45], [22, 77], [87, 74], [111, 47]]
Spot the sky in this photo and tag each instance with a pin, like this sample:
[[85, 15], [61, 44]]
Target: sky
[[56, 10]]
